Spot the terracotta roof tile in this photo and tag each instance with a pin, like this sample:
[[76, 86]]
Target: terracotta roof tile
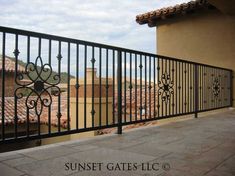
[[22, 112], [151, 18], [10, 111]]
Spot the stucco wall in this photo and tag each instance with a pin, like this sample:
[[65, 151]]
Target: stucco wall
[[207, 37]]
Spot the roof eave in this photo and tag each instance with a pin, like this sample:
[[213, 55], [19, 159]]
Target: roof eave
[[159, 16]]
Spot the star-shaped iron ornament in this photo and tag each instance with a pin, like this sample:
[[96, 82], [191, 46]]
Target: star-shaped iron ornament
[[37, 92], [216, 87], [165, 87]]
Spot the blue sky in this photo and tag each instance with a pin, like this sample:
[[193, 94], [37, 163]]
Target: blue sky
[[104, 21]]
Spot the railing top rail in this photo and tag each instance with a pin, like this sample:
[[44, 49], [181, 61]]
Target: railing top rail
[[100, 45]]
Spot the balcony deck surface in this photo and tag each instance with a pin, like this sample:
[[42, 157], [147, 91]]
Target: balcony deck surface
[[203, 146]]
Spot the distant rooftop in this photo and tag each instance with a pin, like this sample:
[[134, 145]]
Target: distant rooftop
[[10, 65]]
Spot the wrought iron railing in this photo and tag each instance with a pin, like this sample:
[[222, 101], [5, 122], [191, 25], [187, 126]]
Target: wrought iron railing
[[53, 86]]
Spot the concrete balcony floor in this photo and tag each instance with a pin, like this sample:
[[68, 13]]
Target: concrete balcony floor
[[203, 146]]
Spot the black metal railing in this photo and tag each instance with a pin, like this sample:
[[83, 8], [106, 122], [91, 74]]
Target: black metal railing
[[53, 86]]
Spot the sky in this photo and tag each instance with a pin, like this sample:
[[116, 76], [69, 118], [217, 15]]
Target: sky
[[103, 21]]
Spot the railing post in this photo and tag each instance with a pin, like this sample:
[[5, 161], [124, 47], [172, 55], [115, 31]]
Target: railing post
[[119, 88], [231, 88], [196, 90]]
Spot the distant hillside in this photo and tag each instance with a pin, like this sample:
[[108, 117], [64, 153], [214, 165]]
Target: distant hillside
[[64, 75]]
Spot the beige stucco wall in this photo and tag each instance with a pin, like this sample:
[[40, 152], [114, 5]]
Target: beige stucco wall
[[207, 37]]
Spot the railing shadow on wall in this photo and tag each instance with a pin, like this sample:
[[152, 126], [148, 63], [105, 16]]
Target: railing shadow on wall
[[54, 86]]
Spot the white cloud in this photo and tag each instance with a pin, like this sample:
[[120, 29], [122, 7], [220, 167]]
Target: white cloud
[[105, 21]]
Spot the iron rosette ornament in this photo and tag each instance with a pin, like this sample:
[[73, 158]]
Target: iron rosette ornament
[[216, 87], [165, 87], [36, 85]]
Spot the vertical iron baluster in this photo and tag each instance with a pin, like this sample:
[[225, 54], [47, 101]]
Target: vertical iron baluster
[[228, 89], [150, 86], [199, 86], [93, 69], [173, 80], [3, 84], [39, 54], [201, 79], [210, 77], [188, 87], [176, 87], [119, 81], [196, 89], [217, 71], [162, 83], [192, 82], [107, 85], [209, 89], [185, 84], [59, 97], [193, 86], [136, 87], [154, 86], [28, 60], [113, 86], [220, 80], [204, 88], [223, 83], [141, 106], [219, 97], [130, 87], [222, 90], [145, 87], [231, 88], [214, 104], [16, 53], [166, 78], [180, 87], [125, 86], [68, 87], [158, 84], [225, 91], [218, 76], [214, 100], [171, 77], [49, 108], [100, 86], [77, 84], [85, 84]]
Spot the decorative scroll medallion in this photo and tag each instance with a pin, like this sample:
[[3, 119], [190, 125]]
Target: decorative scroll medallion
[[37, 84], [216, 87], [165, 87]]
